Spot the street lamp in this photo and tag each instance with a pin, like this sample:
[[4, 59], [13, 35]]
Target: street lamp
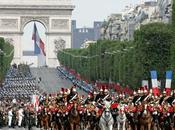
[[1, 59]]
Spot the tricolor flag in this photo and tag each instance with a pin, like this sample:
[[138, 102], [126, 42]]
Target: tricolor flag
[[145, 84], [168, 82], [154, 83], [38, 43], [35, 102]]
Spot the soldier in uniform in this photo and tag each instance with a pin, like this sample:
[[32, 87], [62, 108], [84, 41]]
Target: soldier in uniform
[[136, 97], [60, 96], [94, 95], [107, 96], [20, 117], [162, 98], [144, 96], [89, 99], [99, 96], [73, 95], [10, 115]]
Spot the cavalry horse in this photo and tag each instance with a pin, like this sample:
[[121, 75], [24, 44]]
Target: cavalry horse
[[92, 117], [145, 119], [121, 120], [74, 117], [62, 115], [45, 119], [106, 120]]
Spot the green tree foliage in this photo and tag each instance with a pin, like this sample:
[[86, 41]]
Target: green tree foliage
[[130, 62], [173, 14], [127, 62], [153, 45], [5, 57]]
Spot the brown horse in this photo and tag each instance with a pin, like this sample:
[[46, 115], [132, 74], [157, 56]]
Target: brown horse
[[74, 117], [45, 119], [145, 119]]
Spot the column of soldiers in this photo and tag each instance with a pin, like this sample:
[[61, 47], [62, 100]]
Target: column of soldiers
[[19, 82]]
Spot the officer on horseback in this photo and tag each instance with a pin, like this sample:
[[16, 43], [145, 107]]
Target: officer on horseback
[[99, 96], [73, 95]]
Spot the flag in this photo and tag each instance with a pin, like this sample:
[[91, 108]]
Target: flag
[[145, 84], [154, 83], [38, 43], [42, 47], [168, 82], [159, 83], [35, 102]]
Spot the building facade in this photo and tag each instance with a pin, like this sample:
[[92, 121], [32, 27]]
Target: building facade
[[81, 35], [55, 16], [122, 26]]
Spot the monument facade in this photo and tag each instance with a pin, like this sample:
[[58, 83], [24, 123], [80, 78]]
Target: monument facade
[[55, 15]]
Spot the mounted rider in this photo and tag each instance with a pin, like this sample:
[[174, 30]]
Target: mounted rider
[[73, 95]]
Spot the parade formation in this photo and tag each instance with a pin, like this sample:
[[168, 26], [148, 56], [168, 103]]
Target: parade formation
[[97, 87], [67, 109]]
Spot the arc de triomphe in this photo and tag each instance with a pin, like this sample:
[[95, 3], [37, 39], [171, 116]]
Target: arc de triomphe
[[55, 15]]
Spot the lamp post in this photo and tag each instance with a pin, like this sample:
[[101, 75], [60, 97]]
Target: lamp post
[[1, 62], [1, 57], [120, 59]]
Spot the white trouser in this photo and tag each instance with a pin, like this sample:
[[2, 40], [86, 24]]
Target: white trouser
[[9, 120], [19, 120]]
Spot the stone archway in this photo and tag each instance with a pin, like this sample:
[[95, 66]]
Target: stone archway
[[54, 14], [27, 44]]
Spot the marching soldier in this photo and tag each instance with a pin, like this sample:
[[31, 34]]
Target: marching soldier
[[20, 117], [10, 115]]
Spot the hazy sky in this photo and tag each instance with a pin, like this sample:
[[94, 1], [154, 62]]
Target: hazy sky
[[27, 42], [86, 11]]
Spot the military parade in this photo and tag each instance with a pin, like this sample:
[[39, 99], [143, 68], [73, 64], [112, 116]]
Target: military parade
[[67, 109], [117, 75]]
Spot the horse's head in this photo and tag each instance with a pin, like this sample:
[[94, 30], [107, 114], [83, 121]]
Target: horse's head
[[145, 112], [74, 110], [107, 112]]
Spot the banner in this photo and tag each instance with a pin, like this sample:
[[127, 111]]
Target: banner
[[145, 84], [35, 102], [154, 83], [169, 75], [39, 47]]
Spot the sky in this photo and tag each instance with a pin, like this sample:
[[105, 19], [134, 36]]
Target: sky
[[88, 11], [27, 42]]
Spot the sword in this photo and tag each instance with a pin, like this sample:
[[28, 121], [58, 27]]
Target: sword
[[138, 100], [73, 98], [105, 97]]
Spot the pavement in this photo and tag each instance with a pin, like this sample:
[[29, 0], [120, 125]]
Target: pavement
[[51, 81], [16, 128]]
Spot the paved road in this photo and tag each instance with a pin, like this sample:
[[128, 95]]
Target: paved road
[[51, 82], [16, 128]]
